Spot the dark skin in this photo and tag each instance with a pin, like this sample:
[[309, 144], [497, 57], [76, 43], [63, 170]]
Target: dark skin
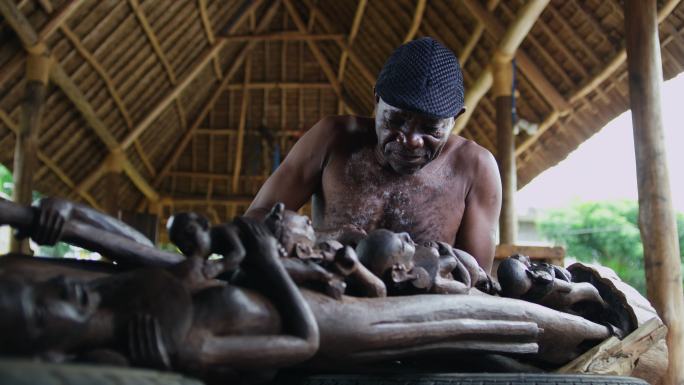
[[402, 171]]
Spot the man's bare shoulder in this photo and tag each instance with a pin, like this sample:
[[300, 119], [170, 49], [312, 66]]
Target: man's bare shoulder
[[466, 153]]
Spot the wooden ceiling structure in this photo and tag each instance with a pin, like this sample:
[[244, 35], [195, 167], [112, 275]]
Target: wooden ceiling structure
[[196, 101]]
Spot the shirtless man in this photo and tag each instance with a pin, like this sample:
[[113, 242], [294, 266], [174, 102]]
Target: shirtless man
[[401, 170]]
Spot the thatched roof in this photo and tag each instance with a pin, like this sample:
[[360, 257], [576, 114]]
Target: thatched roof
[[184, 94]]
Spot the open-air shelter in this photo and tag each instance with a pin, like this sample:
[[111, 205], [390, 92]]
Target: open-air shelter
[[164, 106]]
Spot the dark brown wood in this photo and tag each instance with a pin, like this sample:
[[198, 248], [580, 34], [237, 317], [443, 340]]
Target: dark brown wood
[[656, 215], [113, 181], [26, 149], [506, 160]]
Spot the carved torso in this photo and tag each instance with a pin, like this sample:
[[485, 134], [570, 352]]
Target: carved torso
[[357, 190]]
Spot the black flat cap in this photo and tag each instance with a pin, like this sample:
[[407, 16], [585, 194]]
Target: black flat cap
[[422, 76]]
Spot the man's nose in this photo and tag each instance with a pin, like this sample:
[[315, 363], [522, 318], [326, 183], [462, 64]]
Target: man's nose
[[412, 140]]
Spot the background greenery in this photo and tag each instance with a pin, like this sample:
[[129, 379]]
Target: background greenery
[[605, 232]]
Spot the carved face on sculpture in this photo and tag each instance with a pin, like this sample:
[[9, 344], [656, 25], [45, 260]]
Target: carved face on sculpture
[[46, 316], [388, 255], [290, 228], [190, 233], [407, 141]]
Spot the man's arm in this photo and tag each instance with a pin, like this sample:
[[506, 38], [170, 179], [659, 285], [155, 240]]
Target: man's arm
[[477, 234], [297, 178]]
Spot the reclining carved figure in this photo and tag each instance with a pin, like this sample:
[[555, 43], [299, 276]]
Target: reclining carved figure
[[151, 316]]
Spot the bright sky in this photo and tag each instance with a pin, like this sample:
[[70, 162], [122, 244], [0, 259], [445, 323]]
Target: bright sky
[[603, 167]]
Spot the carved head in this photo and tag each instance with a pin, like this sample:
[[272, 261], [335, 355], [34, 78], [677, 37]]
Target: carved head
[[388, 255], [190, 233], [291, 229], [44, 317]]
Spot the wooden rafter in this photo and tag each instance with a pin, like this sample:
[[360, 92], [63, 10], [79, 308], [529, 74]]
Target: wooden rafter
[[284, 36], [320, 57], [417, 19], [161, 107], [208, 30], [511, 38], [475, 36], [591, 84], [235, 65], [48, 162], [280, 85], [356, 23], [244, 104], [58, 20], [152, 38]]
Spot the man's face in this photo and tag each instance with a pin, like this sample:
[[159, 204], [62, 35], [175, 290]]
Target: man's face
[[407, 141]]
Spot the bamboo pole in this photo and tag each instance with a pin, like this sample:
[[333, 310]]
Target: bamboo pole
[[26, 150], [283, 36], [510, 40], [417, 19], [505, 153], [656, 215]]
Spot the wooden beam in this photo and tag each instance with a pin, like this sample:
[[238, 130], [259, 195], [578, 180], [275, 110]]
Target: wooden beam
[[152, 37], [353, 31], [524, 62], [359, 62], [320, 57], [48, 162], [237, 61], [509, 41], [591, 84], [109, 83], [244, 103], [170, 97], [280, 85], [417, 19], [26, 144], [59, 19], [657, 222], [283, 36], [475, 36], [201, 200], [208, 30]]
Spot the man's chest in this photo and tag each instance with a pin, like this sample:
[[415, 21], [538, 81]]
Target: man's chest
[[356, 190]]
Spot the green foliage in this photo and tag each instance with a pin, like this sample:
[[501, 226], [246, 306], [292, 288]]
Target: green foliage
[[603, 232]]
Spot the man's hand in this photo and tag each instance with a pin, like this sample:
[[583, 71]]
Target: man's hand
[[48, 225]]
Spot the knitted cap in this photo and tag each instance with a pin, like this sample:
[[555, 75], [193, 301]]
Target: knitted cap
[[422, 76]]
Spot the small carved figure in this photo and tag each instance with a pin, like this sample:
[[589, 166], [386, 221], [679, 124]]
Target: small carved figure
[[546, 285], [193, 236], [329, 262]]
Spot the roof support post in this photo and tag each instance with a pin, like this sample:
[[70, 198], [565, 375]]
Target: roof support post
[[26, 150], [113, 180], [505, 152], [656, 215], [508, 45]]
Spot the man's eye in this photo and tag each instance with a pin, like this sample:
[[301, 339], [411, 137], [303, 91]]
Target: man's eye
[[430, 130], [396, 122]]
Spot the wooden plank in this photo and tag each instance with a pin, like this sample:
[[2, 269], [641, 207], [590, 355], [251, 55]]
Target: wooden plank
[[656, 216], [616, 357], [417, 19]]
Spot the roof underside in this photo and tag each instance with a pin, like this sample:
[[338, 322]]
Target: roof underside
[[189, 107]]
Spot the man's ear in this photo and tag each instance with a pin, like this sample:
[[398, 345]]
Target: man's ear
[[463, 110]]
